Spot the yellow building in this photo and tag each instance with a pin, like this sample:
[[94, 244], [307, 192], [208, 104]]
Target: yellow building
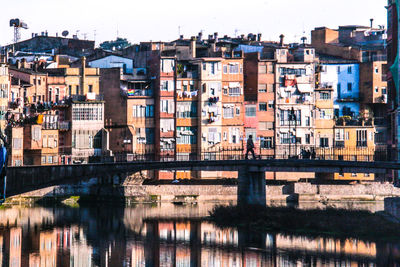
[[353, 141], [324, 120]]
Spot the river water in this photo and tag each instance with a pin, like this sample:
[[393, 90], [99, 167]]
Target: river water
[[166, 235]]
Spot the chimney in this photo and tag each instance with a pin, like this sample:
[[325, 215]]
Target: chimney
[[372, 22], [83, 78], [216, 36], [242, 36], [193, 47], [281, 37], [181, 37], [210, 36], [259, 37], [200, 36]]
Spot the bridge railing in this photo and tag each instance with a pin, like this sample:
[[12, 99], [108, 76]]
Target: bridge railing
[[220, 153]]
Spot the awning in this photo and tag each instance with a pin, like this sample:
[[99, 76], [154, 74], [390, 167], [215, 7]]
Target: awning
[[305, 88]]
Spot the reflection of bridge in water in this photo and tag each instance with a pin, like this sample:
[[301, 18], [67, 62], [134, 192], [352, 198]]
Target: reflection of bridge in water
[[143, 236]]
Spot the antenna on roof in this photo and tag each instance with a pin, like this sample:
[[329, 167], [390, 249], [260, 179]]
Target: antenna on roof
[[17, 24]]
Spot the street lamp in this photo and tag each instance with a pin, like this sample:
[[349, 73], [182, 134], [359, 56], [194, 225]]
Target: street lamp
[[292, 117]]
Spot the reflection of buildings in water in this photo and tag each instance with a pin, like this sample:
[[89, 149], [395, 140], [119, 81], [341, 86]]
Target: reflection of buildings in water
[[15, 245], [48, 248], [80, 251], [166, 242], [213, 235], [138, 259], [326, 245]]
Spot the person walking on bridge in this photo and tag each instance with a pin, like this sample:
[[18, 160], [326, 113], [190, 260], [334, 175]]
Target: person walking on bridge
[[250, 147]]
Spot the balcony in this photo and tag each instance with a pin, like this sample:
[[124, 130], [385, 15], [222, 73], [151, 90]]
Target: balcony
[[188, 74], [64, 126], [137, 92], [50, 126], [339, 143], [348, 121]]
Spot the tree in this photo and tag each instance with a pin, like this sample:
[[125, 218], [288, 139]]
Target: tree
[[118, 44]]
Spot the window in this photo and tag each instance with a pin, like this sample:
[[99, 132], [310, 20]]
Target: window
[[186, 109], [39, 81], [228, 112], [251, 111], [90, 88], [349, 87], [213, 136], [308, 139], [186, 135], [376, 70], [265, 125], [167, 65], [49, 159], [349, 70], [287, 139], [77, 89], [361, 138], [69, 90], [263, 106], [266, 143], [167, 86], [233, 68], [325, 114], [384, 90], [376, 89], [262, 69], [325, 96], [290, 71], [149, 111], [262, 88], [366, 174], [225, 67], [17, 143], [37, 133], [235, 91], [43, 159], [167, 125], [87, 113], [237, 111], [167, 106], [287, 117], [150, 136], [271, 104], [234, 135], [308, 121], [324, 142]]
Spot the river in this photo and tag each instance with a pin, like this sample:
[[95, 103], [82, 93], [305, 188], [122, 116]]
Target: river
[[166, 235]]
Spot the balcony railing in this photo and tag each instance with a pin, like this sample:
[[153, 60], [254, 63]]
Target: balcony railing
[[64, 125]]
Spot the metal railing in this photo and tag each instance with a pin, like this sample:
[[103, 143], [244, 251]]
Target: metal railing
[[357, 154]]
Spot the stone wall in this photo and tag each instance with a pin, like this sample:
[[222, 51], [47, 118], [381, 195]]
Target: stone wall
[[176, 192]]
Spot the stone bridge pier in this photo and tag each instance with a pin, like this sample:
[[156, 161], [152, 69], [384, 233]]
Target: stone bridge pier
[[251, 186]]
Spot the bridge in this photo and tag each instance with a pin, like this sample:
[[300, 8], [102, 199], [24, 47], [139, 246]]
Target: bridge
[[251, 173]]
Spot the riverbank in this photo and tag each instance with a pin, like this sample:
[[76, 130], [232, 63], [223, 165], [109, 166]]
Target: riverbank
[[329, 222], [192, 193]]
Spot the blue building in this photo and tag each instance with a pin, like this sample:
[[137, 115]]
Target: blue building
[[344, 79]]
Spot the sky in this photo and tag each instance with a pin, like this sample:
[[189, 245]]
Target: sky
[[146, 20]]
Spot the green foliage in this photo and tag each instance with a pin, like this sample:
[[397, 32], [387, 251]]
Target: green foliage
[[115, 45]]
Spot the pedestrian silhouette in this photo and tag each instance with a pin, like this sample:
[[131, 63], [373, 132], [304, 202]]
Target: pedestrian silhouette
[[250, 147]]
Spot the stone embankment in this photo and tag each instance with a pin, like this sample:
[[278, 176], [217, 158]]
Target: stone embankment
[[298, 192]]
